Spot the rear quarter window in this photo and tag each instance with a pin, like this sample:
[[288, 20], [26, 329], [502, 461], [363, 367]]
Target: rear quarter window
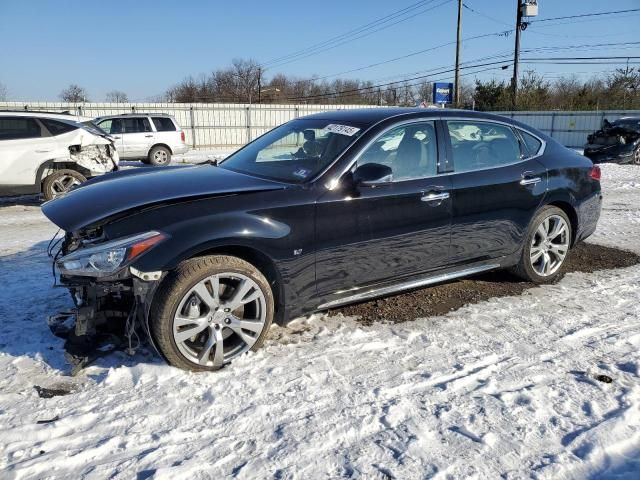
[[163, 124], [16, 128], [57, 128], [532, 143]]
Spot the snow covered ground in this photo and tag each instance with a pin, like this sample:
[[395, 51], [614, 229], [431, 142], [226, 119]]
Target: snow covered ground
[[504, 388]]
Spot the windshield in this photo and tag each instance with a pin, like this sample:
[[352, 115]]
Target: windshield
[[296, 151], [93, 128]]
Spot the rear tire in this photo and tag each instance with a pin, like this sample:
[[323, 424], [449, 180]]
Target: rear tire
[[159, 156], [209, 311], [546, 246], [60, 182]]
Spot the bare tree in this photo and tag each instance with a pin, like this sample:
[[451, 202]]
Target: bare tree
[[117, 96], [3, 92], [74, 93]]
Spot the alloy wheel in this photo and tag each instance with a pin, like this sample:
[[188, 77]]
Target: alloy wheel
[[160, 156], [636, 156], [549, 245], [63, 185], [219, 318]]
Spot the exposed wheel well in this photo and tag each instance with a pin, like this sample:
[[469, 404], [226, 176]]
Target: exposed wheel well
[[161, 145], [573, 217], [263, 263]]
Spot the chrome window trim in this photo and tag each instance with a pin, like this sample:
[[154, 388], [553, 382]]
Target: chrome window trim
[[333, 183]]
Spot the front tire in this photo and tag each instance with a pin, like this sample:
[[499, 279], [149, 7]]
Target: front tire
[[211, 310], [159, 156], [546, 246], [60, 182], [636, 156]]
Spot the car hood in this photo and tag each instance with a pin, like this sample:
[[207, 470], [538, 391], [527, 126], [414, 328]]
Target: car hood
[[132, 189]]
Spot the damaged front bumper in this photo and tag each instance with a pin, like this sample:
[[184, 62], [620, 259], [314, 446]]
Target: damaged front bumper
[[111, 297], [95, 159], [109, 314]]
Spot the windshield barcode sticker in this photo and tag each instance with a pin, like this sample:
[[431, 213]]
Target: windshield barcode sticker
[[342, 129]]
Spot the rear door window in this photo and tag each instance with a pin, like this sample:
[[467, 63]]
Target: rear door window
[[15, 128], [163, 124], [482, 145], [135, 125]]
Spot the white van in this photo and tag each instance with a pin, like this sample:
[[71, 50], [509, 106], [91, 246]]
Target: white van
[[50, 153], [152, 138]]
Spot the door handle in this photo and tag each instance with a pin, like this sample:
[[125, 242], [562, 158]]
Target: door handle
[[43, 151], [434, 196], [148, 136], [116, 137], [529, 178]]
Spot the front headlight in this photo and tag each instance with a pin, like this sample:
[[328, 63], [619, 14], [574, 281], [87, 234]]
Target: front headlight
[[107, 258]]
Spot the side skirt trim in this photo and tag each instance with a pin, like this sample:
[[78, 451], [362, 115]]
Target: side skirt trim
[[409, 285]]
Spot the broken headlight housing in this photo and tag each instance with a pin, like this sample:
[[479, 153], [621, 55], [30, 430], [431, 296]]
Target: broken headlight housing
[[109, 257]]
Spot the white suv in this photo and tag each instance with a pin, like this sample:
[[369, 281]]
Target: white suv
[[152, 138], [50, 153]]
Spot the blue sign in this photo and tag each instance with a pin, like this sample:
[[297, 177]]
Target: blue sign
[[442, 92]]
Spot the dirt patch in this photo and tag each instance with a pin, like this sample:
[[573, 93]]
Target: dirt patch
[[441, 299]]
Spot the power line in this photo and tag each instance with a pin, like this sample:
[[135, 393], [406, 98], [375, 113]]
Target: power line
[[549, 60], [596, 14], [331, 45], [408, 55], [351, 32]]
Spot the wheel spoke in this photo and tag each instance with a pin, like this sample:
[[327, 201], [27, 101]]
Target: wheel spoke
[[204, 295], [215, 288], [558, 250], [558, 229], [240, 295], [192, 328], [218, 356], [546, 263], [542, 231], [205, 353], [536, 253]]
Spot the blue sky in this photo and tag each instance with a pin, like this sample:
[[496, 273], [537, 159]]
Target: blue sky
[[142, 47]]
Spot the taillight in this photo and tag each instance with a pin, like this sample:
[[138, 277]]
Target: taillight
[[595, 173], [182, 136]]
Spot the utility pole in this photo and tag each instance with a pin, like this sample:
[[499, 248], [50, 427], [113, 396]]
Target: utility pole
[[456, 99], [259, 84], [516, 57]]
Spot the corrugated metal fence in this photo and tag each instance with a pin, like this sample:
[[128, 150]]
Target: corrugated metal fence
[[228, 125], [206, 125]]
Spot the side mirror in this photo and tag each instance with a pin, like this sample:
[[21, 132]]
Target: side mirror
[[605, 124], [372, 174]]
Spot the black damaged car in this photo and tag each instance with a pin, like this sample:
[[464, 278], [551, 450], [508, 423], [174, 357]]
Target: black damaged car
[[617, 142], [326, 210]]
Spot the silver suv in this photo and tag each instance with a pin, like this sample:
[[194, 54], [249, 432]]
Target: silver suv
[[152, 138]]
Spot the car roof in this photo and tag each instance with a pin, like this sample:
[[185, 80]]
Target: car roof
[[137, 114], [372, 116], [53, 115]]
